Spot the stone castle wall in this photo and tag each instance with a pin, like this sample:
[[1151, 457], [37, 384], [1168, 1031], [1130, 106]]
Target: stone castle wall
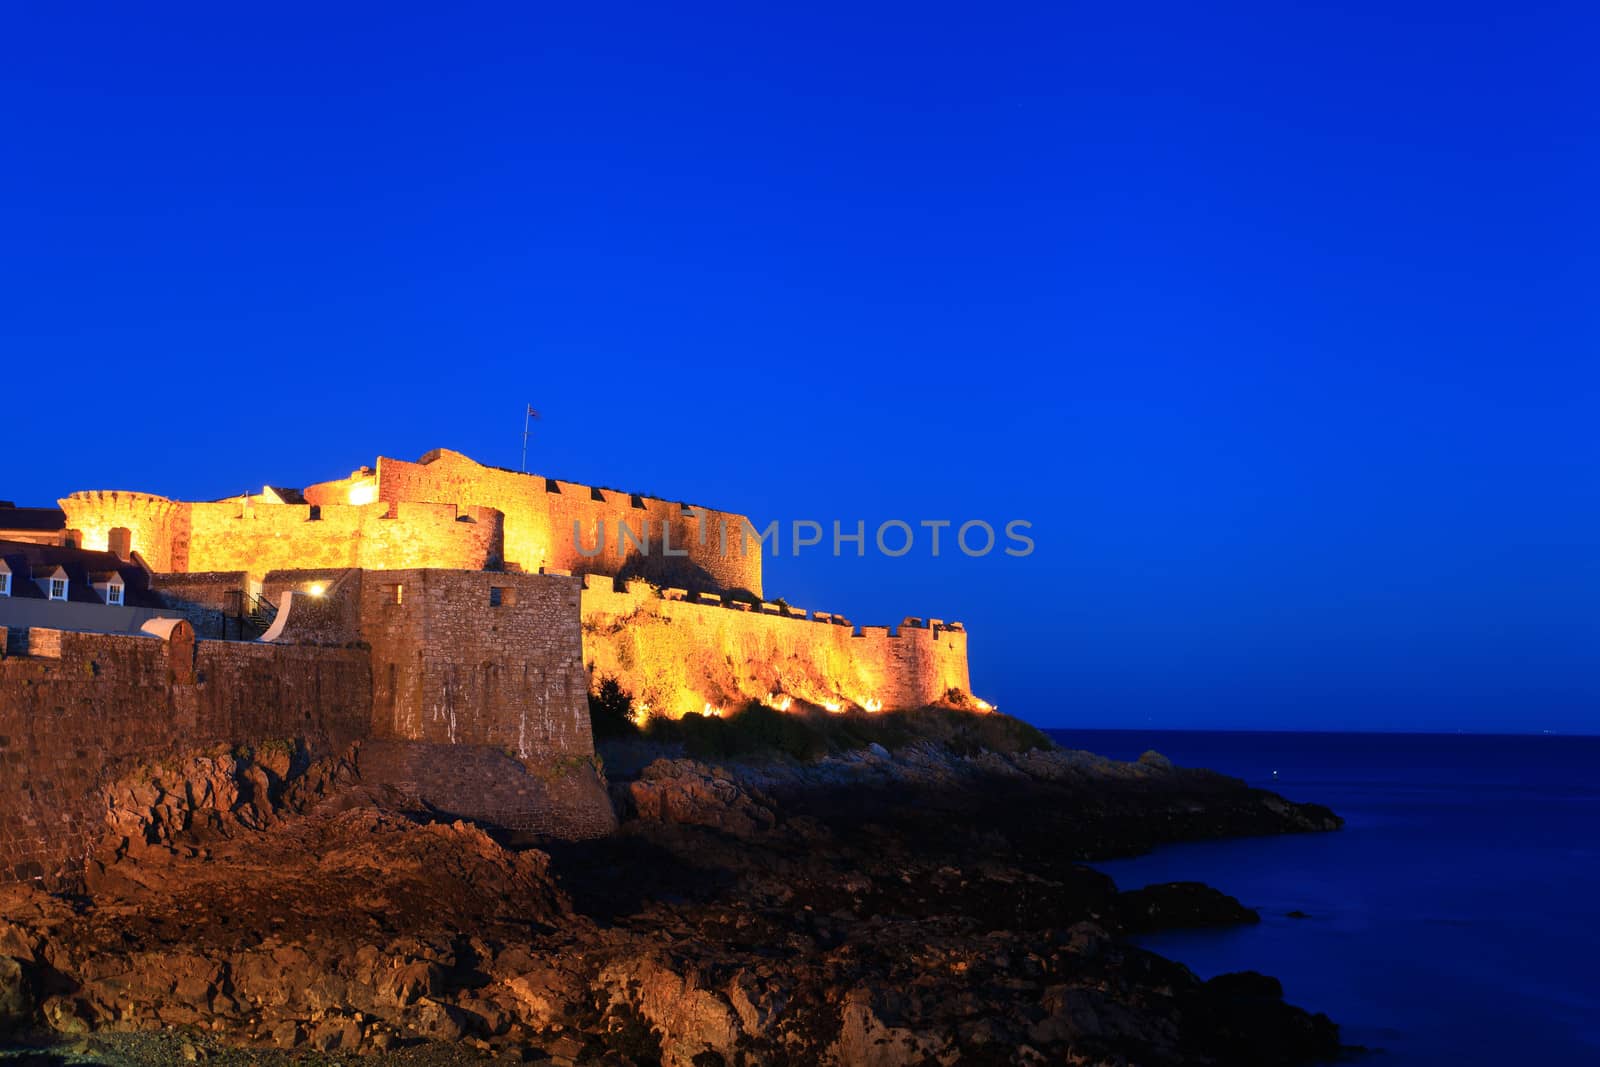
[[479, 697], [540, 514], [239, 535], [81, 709], [261, 537], [464, 657], [677, 656], [212, 601]]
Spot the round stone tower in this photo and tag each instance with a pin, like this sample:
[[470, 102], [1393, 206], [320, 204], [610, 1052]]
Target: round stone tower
[[139, 522]]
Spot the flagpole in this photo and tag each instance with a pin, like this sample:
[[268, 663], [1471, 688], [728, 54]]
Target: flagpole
[[528, 416]]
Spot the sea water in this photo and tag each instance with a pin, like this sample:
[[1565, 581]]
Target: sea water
[[1451, 921]]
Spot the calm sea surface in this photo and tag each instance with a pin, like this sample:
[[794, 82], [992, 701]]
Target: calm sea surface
[[1452, 920]]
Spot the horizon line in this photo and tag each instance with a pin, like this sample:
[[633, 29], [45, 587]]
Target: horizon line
[[1250, 730]]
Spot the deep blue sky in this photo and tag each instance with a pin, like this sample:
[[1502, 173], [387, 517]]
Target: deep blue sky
[[1279, 326]]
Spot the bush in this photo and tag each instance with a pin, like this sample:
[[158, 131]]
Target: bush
[[752, 730], [810, 733], [611, 711]]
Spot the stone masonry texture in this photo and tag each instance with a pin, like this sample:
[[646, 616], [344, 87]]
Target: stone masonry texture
[[448, 616]]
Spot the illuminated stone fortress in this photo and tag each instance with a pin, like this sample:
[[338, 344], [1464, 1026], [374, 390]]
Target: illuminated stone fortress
[[671, 602]]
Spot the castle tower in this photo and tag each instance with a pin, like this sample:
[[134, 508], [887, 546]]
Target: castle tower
[[147, 524]]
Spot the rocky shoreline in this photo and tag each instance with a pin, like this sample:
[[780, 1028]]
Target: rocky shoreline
[[870, 908]]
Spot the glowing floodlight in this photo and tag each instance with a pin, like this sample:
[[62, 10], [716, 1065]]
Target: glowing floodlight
[[317, 589]]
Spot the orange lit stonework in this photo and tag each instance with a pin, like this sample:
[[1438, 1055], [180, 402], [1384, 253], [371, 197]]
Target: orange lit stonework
[[676, 651]]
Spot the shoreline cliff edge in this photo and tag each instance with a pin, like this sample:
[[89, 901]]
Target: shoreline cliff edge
[[874, 907]]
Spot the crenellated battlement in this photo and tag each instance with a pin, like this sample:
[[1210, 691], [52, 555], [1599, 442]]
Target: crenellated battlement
[[680, 653], [642, 590], [119, 498]]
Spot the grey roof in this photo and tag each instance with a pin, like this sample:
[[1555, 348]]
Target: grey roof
[[42, 519], [82, 566]]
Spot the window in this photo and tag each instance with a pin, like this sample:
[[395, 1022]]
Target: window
[[113, 593], [58, 589], [502, 596], [5, 584], [394, 594]]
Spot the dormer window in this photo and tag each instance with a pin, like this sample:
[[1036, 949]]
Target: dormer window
[[51, 579], [5, 583], [109, 586]]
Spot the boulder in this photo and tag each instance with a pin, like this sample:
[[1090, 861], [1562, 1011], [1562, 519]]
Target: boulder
[[16, 995], [1181, 905], [690, 793]]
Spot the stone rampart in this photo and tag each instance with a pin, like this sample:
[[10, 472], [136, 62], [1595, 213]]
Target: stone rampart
[[248, 535], [540, 515], [677, 655]]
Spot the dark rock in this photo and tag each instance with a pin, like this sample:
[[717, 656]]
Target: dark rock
[[876, 907], [1180, 905], [1248, 1023], [1247, 984], [1155, 759], [690, 793]]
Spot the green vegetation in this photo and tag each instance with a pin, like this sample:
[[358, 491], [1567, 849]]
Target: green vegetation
[[277, 746], [809, 734]]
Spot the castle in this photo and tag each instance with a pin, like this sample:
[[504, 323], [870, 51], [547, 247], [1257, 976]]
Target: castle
[[450, 616]]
